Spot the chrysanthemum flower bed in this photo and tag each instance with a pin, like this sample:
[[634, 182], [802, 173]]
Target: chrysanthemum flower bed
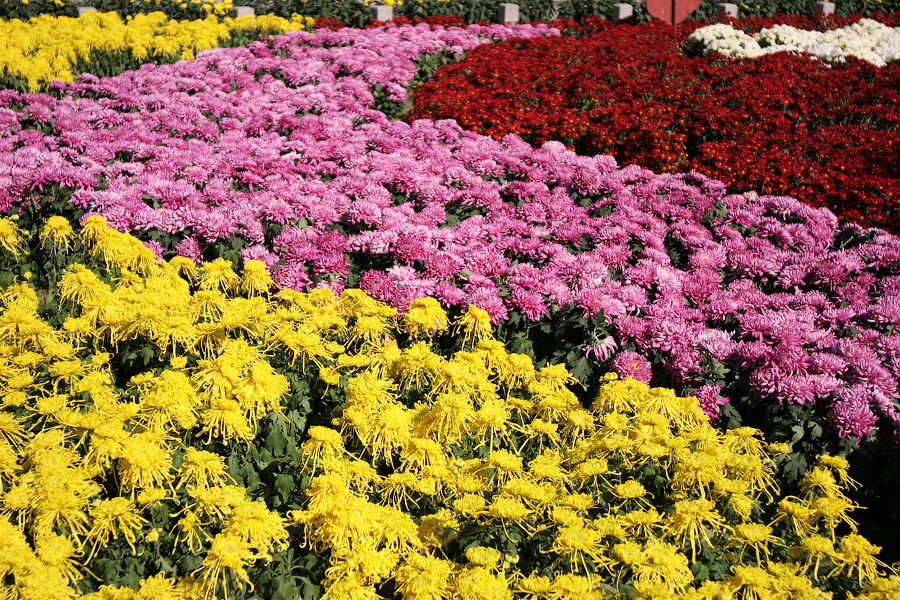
[[183, 432], [46, 49], [767, 310], [783, 123], [280, 156], [756, 300]]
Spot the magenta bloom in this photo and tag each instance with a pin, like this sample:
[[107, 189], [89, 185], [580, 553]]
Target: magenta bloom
[[156, 247], [710, 400], [531, 303], [852, 418], [631, 364], [601, 350], [190, 248]]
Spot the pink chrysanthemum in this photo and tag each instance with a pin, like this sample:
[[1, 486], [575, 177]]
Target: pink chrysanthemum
[[710, 400], [852, 417], [189, 247], [631, 364]]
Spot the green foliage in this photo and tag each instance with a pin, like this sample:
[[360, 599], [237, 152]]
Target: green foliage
[[23, 10], [580, 9], [16, 9], [351, 13]]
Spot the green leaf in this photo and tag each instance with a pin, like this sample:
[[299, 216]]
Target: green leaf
[[700, 571], [110, 569], [238, 243], [511, 546], [133, 574], [522, 345], [815, 431], [189, 562], [299, 416], [148, 353], [166, 565], [284, 483], [309, 590], [263, 458], [796, 466], [276, 441], [233, 465], [580, 368], [287, 589]]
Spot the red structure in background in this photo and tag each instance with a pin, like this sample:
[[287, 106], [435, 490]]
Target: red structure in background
[[672, 11]]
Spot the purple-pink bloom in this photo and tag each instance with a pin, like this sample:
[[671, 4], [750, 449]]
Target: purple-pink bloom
[[631, 364], [531, 303], [851, 416], [710, 400], [189, 247], [601, 350]]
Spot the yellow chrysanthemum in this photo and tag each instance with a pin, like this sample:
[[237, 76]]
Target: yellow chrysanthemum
[[424, 578], [693, 521], [79, 285], [426, 316], [11, 238], [753, 536], [203, 469], [255, 278], [263, 529], [479, 583], [225, 564], [145, 461], [112, 518], [58, 232]]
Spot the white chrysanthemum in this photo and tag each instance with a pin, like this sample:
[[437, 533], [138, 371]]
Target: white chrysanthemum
[[736, 47], [866, 40], [725, 40], [785, 35]]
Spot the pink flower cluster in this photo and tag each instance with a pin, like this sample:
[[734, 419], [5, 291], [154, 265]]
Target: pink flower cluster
[[279, 144], [220, 144]]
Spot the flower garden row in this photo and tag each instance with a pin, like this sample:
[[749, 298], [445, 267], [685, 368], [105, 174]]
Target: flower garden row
[[47, 49], [150, 448], [276, 156], [782, 124]]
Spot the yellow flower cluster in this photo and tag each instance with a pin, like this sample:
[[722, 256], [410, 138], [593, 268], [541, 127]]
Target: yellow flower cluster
[[162, 4], [627, 497], [438, 474], [11, 238], [46, 48], [66, 427]]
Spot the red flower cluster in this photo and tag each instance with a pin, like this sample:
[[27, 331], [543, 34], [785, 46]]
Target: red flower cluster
[[783, 124], [328, 23]]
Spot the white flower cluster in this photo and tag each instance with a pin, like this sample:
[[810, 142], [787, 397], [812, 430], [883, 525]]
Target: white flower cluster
[[867, 40]]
